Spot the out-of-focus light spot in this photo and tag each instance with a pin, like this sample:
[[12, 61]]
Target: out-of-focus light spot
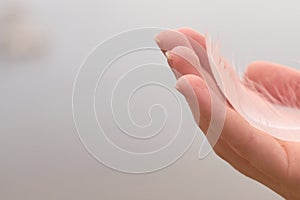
[[21, 34]]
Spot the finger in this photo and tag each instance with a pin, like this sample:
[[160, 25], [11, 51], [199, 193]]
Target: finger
[[191, 33], [198, 44], [169, 40], [281, 82], [259, 148], [183, 61], [196, 98]]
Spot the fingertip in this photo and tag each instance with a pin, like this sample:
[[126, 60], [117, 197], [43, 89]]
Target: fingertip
[[187, 86], [187, 83], [254, 70], [170, 58], [192, 33], [195, 91], [183, 60]]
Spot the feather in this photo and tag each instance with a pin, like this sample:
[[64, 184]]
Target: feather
[[280, 121]]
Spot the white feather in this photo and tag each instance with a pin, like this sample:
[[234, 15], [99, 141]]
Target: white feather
[[280, 121]]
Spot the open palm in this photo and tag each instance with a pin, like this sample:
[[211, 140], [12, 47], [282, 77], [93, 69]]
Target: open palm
[[256, 154]]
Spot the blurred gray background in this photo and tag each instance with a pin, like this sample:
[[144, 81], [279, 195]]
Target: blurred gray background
[[40, 151]]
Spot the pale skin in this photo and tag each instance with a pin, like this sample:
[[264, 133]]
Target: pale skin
[[256, 154]]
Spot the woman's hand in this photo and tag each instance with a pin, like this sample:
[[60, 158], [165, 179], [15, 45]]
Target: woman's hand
[[256, 154]]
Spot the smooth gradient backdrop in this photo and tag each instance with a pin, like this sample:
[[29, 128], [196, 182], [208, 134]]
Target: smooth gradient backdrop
[[41, 156]]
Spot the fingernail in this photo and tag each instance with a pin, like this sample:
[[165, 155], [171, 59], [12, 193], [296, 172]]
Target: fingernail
[[157, 41], [168, 39], [177, 86], [169, 57], [159, 44]]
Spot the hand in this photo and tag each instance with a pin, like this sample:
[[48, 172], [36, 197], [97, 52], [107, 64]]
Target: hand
[[256, 154]]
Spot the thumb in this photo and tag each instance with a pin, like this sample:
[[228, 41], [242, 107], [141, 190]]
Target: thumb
[[281, 82]]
